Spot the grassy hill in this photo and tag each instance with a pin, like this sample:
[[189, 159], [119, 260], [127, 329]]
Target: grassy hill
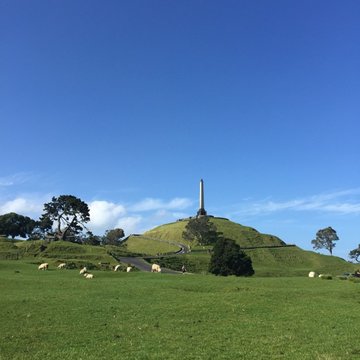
[[270, 255], [38, 251], [245, 236]]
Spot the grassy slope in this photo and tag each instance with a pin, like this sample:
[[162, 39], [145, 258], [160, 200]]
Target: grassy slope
[[38, 251], [148, 246], [266, 262], [243, 235], [159, 316]]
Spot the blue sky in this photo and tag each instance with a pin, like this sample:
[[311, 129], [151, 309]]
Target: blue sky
[[128, 104]]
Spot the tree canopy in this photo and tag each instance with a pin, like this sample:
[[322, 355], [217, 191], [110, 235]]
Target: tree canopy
[[355, 254], [200, 231], [69, 214], [113, 237], [228, 259], [13, 224], [325, 239]]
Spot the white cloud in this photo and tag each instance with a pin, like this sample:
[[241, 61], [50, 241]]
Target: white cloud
[[150, 204], [104, 214], [130, 224], [341, 202], [15, 179], [179, 204], [23, 206]]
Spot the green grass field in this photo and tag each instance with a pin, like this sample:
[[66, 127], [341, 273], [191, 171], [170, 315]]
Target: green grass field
[[57, 314]]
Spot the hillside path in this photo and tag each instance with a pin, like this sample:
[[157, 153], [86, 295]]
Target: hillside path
[[143, 265]]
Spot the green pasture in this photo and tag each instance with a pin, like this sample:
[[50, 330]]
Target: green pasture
[[58, 314]]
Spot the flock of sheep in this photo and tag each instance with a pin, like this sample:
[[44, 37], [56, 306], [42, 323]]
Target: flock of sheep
[[87, 275]]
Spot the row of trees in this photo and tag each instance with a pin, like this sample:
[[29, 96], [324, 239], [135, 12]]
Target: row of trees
[[325, 239], [63, 218]]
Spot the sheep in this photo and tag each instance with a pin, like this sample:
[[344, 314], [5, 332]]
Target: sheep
[[61, 266], [43, 266], [128, 269], [155, 268], [83, 270], [89, 276], [312, 274], [117, 267]]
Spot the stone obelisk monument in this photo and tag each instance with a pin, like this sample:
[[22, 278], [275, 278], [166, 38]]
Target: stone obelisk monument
[[201, 211]]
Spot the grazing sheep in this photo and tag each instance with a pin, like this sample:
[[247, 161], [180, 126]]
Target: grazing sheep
[[43, 266], [117, 267], [128, 269], [83, 270], [89, 276], [155, 268], [312, 274], [321, 275], [62, 266]]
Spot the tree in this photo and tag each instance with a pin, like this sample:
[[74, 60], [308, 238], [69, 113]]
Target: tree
[[355, 254], [69, 214], [13, 224], [325, 239], [113, 237], [90, 239], [228, 259], [200, 231], [42, 227]]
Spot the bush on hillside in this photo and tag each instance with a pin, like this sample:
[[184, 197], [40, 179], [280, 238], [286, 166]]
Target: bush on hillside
[[228, 259]]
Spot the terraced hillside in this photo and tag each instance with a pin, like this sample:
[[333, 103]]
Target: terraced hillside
[[75, 255], [245, 236], [270, 255]]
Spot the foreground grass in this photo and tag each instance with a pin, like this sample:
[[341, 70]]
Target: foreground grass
[[58, 314]]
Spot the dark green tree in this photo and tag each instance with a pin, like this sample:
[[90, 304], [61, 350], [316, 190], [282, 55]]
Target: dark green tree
[[325, 239], [228, 259], [89, 239], [69, 214], [113, 237], [13, 224], [42, 228], [200, 231], [355, 254]]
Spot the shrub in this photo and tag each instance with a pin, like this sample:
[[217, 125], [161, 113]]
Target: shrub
[[228, 259]]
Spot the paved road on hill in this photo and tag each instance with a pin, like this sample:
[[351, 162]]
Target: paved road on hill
[[143, 265]]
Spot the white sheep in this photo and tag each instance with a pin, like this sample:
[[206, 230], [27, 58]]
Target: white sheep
[[117, 267], [312, 274], [43, 266], [83, 270], [89, 276], [155, 268], [62, 266], [128, 269]]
